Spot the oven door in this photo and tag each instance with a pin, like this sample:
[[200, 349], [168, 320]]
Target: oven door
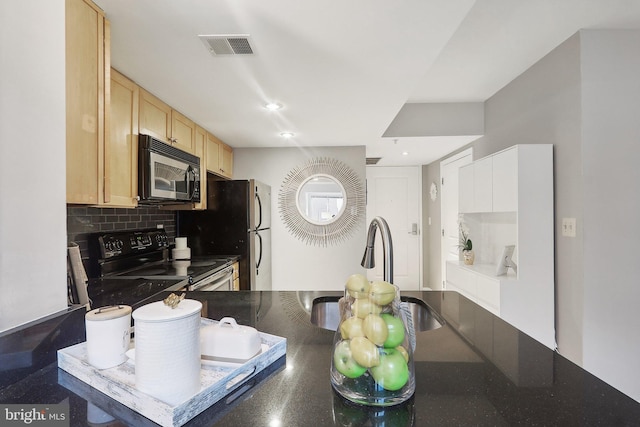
[[221, 280]]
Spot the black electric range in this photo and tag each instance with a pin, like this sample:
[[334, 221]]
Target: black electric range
[[130, 266]]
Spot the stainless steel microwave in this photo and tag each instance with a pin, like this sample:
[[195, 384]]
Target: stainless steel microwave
[[166, 174]]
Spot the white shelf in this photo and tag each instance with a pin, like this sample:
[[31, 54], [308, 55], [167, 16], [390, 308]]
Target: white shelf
[[485, 269], [507, 198]]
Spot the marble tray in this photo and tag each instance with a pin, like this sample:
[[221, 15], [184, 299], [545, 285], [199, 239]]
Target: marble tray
[[216, 381]]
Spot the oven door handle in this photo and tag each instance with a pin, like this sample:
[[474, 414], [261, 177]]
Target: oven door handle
[[222, 276]]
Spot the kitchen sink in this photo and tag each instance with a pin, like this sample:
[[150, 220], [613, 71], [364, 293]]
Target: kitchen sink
[[325, 313]]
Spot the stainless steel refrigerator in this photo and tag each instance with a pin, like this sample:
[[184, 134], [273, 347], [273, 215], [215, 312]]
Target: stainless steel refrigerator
[[237, 221]]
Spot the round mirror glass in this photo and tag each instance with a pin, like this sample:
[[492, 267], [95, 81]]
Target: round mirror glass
[[321, 199]]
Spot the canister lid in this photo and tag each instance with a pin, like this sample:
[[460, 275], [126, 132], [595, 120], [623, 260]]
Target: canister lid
[[159, 312], [109, 312]]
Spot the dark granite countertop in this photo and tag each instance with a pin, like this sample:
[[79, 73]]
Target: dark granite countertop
[[476, 370]]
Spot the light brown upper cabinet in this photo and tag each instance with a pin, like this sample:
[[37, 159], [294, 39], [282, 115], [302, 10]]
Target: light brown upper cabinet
[[219, 157], [226, 160], [121, 147], [166, 124], [87, 65], [201, 146]]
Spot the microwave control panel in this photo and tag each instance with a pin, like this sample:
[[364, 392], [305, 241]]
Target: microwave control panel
[[132, 242]]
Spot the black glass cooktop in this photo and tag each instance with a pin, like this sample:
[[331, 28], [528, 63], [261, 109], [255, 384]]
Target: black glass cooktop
[[182, 269]]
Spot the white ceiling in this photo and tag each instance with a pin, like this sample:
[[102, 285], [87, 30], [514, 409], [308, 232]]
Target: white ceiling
[[341, 69]]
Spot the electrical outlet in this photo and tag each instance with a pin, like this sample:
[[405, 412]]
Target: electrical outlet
[[569, 227]]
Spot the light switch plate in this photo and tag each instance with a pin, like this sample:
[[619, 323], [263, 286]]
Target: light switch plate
[[569, 227]]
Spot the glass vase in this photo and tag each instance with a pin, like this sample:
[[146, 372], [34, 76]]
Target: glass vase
[[372, 358]]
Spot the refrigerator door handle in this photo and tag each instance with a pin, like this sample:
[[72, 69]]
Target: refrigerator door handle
[[260, 252], [259, 211]]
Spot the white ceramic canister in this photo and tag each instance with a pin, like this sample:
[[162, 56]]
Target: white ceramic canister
[[108, 335], [167, 345]]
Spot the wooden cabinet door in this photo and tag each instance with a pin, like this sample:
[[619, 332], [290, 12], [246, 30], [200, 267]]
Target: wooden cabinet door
[[200, 151], [236, 276], [155, 117], [121, 146], [183, 132], [213, 154], [226, 160], [85, 86]]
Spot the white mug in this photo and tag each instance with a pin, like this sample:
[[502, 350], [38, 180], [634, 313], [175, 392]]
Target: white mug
[[108, 335]]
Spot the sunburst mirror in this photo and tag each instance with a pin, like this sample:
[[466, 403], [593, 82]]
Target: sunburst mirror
[[322, 201]]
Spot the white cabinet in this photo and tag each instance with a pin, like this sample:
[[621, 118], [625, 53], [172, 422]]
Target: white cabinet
[[507, 198], [479, 285], [490, 184], [483, 185], [505, 181], [466, 190]]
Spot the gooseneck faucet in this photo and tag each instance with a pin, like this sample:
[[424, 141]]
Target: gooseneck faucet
[[368, 260]]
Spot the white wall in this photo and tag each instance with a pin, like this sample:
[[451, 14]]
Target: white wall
[[584, 98], [542, 105], [32, 161], [611, 167], [297, 265]]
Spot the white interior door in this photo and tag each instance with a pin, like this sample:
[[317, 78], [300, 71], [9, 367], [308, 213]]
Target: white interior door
[[449, 207], [395, 194]]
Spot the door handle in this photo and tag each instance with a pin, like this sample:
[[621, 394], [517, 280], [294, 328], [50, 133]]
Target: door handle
[[414, 229]]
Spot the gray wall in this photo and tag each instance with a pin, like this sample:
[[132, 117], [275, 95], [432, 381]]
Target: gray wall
[[297, 265], [584, 98], [610, 159], [431, 268]]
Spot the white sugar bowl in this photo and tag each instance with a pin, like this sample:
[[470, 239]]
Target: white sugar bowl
[[226, 341], [167, 343]]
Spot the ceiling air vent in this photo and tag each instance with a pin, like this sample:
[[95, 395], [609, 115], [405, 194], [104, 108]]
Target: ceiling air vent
[[229, 44], [373, 160]]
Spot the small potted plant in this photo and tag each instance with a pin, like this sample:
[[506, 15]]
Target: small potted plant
[[465, 244]]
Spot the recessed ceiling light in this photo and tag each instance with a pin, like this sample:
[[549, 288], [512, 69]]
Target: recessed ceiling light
[[405, 153], [287, 134], [273, 106]]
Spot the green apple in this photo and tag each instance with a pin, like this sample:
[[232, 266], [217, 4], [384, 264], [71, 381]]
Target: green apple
[[363, 306], [351, 328], [381, 292], [395, 327], [375, 328], [358, 286], [364, 352], [345, 363], [392, 373]]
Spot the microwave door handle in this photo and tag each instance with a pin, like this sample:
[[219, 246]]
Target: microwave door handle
[[191, 179]]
